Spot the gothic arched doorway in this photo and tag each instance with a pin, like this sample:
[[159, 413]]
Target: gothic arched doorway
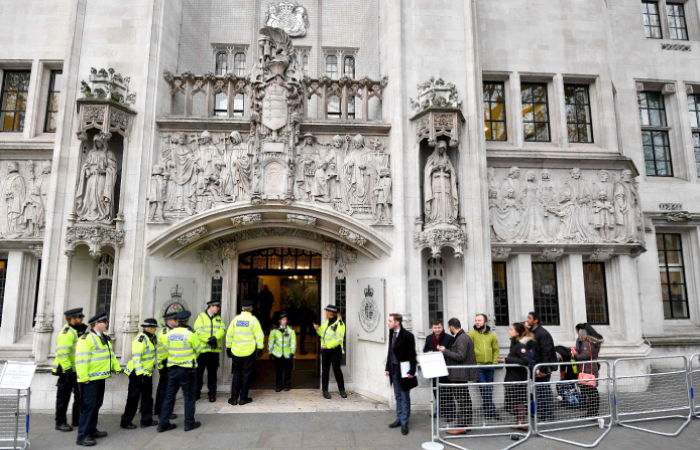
[[284, 279]]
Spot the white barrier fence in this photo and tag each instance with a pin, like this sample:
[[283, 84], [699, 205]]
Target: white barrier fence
[[14, 419]]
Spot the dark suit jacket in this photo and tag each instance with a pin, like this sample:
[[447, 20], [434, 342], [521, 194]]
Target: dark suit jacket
[[404, 350], [445, 341]]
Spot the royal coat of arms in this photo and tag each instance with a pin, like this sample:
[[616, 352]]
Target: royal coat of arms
[[288, 16], [369, 313]]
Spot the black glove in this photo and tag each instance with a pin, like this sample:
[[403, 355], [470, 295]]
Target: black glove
[[272, 357], [260, 353], [228, 353], [58, 372], [212, 342]]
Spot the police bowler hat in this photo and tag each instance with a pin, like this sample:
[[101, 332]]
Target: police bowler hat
[[101, 317], [183, 316], [331, 308], [149, 323]]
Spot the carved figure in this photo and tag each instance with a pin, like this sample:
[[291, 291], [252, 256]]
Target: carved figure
[[382, 197], [440, 185], [98, 177], [581, 198], [319, 191], [511, 182], [530, 227], [212, 164], [627, 213], [357, 176], [157, 193], [505, 217], [12, 197], [45, 181], [550, 222], [179, 163], [603, 216], [33, 207], [236, 183]]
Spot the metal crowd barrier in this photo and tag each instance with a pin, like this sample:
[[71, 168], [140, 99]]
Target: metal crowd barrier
[[487, 410], [694, 376], [565, 403], [14, 419], [662, 394]]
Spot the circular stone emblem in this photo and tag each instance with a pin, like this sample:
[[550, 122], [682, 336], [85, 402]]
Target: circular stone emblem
[[176, 302], [369, 311]]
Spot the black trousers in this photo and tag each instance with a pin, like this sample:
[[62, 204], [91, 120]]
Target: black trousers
[[91, 394], [162, 387], [179, 377], [67, 384], [208, 361], [242, 370], [283, 372], [140, 389], [456, 405], [304, 330], [591, 399], [331, 357]]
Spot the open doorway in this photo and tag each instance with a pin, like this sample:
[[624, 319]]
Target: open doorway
[[284, 279]]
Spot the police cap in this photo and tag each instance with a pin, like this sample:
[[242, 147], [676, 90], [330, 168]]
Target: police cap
[[170, 315], [101, 317], [75, 312], [331, 308], [247, 303], [183, 315], [214, 303], [149, 323]]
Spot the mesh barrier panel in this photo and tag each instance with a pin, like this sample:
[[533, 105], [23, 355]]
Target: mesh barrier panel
[[14, 425], [662, 394], [695, 382]]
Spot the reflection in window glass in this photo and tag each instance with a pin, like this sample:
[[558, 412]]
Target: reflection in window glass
[[239, 64], [672, 270], [652, 21], [52, 101], [676, 21], [15, 89], [535, 112], [578, 114], [495, 111], [544, 289], [349, 67], [332, 67], [221, 63], [596, 293]]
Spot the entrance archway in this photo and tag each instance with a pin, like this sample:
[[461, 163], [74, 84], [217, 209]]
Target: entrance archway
[[284, 279]]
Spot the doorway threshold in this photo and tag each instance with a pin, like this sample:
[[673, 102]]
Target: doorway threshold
[[295, 400]]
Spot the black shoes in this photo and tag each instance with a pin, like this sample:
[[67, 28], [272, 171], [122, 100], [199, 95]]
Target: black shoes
[[395, 424], [152, 423], [343, 394], [326, 395], [212, 398], [128, 426], [278, 389], [232, 401], [286, 389], [194, 425], [64, 427], [99, 434], [89, 442], [168, 427], [245, 401], [404, 429]]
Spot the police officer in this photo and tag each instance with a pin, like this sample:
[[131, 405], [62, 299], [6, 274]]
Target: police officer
[[183, 349], [332, 334], [94, 362], [211, 330], [140, 370], [162, 350], [282, 345], [64, 369], [242, 337]]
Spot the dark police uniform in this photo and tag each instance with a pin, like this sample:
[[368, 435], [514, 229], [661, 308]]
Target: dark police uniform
[[163, 365]]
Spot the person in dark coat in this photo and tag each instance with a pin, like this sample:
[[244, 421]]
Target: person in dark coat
[[587, 349], [457, 401], [521, 343], [544, 353], [438, 338], [265, 301], [402, 348]]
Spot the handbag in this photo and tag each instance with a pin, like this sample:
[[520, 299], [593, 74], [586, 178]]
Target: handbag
[[588, 379]]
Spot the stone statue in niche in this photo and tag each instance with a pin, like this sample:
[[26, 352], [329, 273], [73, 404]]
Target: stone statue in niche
[[568, 207], [441, 201], [13, 196], [33, 208], [382, 197], [357, 176], [628, 215], [179, 163], [98, 177], [157, 194], [236, 183]]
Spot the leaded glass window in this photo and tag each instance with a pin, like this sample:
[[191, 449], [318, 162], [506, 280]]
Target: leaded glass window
[[495, 111], [652, 20], [535, 112], [672, 270], [500, 293], [596, 293], [677, 26], [332, 67], [15, 89], [239, 64], [544, 289], [655, 141], [52, 101], [578, 113]]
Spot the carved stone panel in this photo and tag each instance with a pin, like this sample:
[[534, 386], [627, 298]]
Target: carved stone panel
[[288, 16], [24, 191], [540, 206]]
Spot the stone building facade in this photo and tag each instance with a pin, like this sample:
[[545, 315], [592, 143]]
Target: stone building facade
[[436, 159]]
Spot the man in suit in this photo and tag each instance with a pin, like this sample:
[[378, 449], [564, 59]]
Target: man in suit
[[402, 348], [435, 340]]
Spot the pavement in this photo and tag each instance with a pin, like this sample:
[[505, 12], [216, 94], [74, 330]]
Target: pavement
[[324, 431]]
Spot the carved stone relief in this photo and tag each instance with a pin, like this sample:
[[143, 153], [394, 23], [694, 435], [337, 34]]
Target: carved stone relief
[[574, 207], [24, 190], [192, 236], [348, 174], [551, 254], [246, 219], [500, 253], [95, 237], [301, 219], [289, 16], [601, 254], [351, 236], [439, 237]]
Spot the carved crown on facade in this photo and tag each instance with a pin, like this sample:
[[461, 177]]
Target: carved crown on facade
[[437, 112], [107, 84], [105, 104], [288, 16]]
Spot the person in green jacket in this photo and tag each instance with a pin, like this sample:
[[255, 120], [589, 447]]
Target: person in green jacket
[[64, 369], [332, 334], [282, 345], [486, 349], [210, 330]]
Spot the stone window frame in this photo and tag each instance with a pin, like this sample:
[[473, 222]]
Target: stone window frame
[[52, 88], [340, 53], [665, 267], [548, 105], [104, 270], [231, 50], [606, 303], [692, 20], [693, 100], [577, 123], [3, 91], [506, 109], [506, 291], [646, 12], [511, 88], [676, 118]]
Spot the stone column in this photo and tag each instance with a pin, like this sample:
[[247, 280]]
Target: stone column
[[572, 311], [523, 299], [13, 301]]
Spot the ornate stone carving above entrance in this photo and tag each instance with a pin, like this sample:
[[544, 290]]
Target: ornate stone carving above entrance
[[570, 207], [246, 219], [301, 219], [288, 16], [437, 112], [24, 190], [105, 104], [95, 237], [192, 236], [439, 237]]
